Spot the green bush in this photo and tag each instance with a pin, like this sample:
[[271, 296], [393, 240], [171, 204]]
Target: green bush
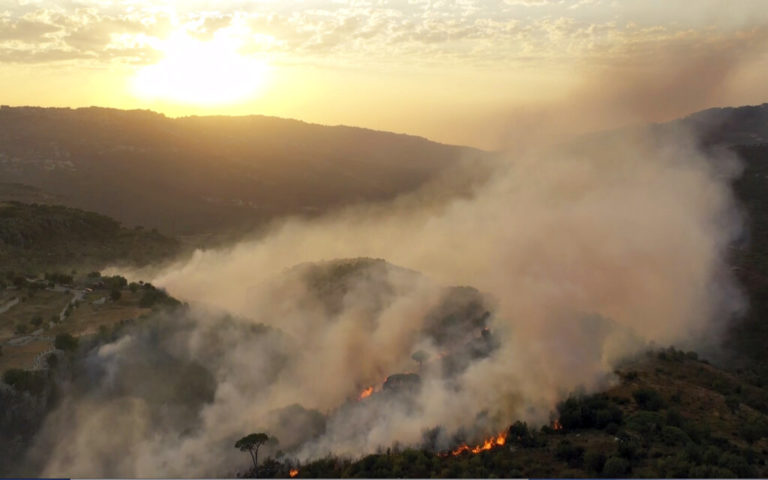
[[588, 412], [519, 434], [754, 429], [115, 282], [646, 423], [594, 462], [674, 436], [24, 380], [674, 418], [648, 399], [674, 467], [66, 342], [154, 296], [570, 453], [737, 464], [52, 361], [628, 448], [615, 467], [709, 471], [60, 278]]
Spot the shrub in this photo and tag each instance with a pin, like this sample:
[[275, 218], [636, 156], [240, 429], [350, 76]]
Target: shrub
[[628, 448], [754, 429], [674, 418], [615, 467], [594, 461], [60, 278], [52, 361], [570, 453], [520, 434], [646, 423], [708, 471], [732, 402], [630, 376], [648, 399], [115, 282], [674, 436], [674, 467], [588, 412], [737, 464], [153, 296], [24, 380], [66, 342]]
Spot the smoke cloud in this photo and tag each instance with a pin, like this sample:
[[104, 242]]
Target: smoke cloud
[[536, 284]]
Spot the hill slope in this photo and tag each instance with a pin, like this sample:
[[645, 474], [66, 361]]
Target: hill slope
[[36, 238], [207, 174]]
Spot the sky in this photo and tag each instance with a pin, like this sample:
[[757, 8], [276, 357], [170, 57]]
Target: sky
[[487, 73]]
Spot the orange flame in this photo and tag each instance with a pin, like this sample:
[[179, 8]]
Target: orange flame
[[293, 472], [556, 425], [366, 393], [487, 444]]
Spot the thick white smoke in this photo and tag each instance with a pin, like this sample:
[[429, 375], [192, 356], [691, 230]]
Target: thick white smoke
[[583, 255]]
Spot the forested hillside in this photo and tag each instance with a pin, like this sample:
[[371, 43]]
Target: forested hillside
[[207, 174], [41, 238]]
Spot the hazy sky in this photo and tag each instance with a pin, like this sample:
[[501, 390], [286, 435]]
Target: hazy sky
[[481, 72]]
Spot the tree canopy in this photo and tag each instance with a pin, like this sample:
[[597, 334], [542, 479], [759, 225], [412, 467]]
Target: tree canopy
[[251, 444]]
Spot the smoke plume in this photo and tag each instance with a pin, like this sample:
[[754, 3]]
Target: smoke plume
[[484, 309]]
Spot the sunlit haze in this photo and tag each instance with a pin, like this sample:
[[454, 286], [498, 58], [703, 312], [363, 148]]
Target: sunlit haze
[[195, 72], [472, 72]]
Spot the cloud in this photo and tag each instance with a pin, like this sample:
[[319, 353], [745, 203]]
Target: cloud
[[25, 30], [483, 34]]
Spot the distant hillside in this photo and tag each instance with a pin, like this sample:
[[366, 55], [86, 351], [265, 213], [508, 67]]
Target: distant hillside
[[37, 238], [749, 335], [746, 125], [206, 174], [744, 131]]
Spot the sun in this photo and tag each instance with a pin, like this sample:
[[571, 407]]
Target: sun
[[200, 73]]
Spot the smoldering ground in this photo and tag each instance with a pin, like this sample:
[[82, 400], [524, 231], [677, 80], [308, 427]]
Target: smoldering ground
[[580, 256]]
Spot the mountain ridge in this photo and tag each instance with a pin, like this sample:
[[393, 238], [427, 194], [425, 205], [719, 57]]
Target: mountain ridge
[[203, 174]]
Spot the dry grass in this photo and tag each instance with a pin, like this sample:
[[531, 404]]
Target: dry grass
[[44, 303], [22, 356], [86, 319]]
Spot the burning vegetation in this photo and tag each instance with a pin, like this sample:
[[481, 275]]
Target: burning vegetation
[[488, 444], [365, 393]]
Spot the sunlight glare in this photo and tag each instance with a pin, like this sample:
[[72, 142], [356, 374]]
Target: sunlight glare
[[203, 73]]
